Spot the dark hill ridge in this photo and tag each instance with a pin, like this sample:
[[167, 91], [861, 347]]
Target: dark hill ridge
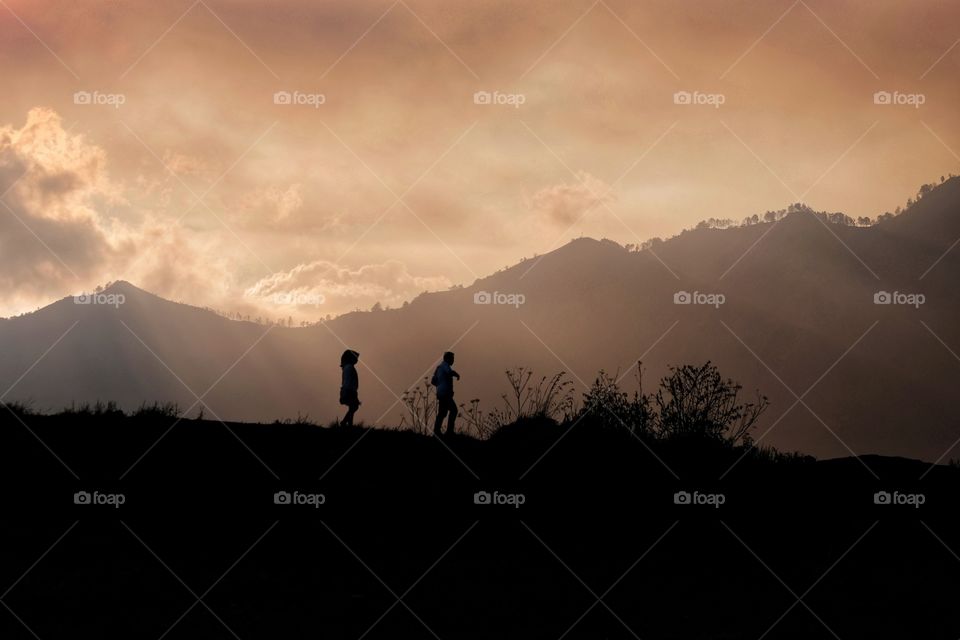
[[403, 515], [796, 303], [170, 464]]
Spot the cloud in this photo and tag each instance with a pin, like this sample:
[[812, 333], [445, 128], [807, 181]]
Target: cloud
[[65, 226], [399, 119], [271, 204], [184, 164], [51, 234], [339, 289], [70, 227], [171, 264], [566, 203]]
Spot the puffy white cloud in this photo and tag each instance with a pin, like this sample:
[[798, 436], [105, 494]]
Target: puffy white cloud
[[66, 227], [53, 183], [71, 227], [338, 289], [566, 203]]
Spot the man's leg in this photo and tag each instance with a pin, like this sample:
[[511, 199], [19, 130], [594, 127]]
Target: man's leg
[[441, 414], [453, 416]]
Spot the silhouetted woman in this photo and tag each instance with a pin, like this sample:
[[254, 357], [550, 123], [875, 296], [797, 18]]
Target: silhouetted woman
[[349, 386]]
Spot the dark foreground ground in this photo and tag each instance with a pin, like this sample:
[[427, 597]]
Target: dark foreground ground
[[205, 530]]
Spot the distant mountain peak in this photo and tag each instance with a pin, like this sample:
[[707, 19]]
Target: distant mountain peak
[[126, 292], [585, 244], [123, 286], [131, 292]]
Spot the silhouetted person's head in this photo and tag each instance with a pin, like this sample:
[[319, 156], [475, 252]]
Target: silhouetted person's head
[[448, 357], [349, 357]]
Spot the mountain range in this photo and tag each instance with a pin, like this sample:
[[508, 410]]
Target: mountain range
[[851, 331]]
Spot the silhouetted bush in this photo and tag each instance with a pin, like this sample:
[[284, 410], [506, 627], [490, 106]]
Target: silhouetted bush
[[693, 403], [606, 405], [549, 398], [696, 402]]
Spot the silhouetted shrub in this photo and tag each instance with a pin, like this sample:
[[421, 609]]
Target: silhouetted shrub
[[550, 398], [693, 403], [696, 402], [606, 405]]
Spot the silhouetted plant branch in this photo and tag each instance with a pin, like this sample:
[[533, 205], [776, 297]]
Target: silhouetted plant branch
[[550, 398], [481, 424], [421, 406]]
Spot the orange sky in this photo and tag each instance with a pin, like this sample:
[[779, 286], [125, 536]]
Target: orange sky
[[183, 176]]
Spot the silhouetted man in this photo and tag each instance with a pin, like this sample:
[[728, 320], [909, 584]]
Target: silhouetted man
[[349, 385], [443, 380]]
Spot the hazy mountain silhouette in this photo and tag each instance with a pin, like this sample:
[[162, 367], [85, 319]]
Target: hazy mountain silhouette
[[799, 293]]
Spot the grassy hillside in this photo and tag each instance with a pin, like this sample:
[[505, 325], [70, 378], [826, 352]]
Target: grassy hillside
[[293, 530]]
